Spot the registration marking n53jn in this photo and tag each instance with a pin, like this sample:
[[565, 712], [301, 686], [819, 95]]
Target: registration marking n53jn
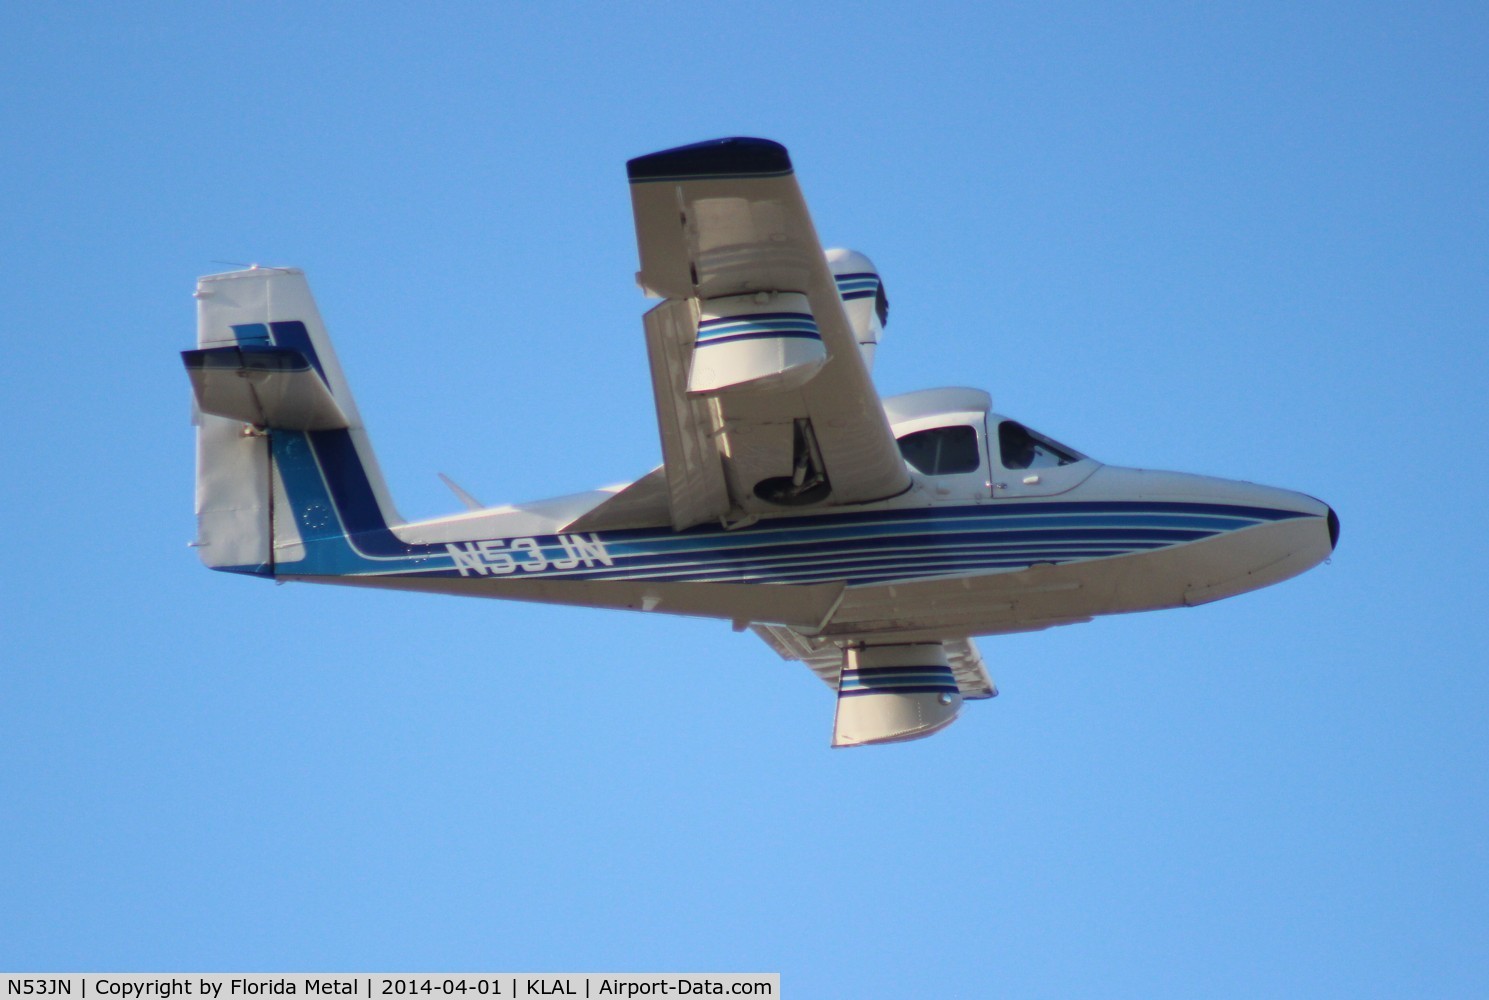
[[501, 556]]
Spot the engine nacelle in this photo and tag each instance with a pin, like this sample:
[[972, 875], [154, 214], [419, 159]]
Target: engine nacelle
[[863, 296], [887, 694], [767, 340]]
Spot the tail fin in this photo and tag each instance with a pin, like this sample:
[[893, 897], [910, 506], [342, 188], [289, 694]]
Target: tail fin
[[286, 479]]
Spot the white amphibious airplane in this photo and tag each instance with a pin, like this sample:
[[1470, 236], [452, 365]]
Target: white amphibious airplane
[[869, 538]]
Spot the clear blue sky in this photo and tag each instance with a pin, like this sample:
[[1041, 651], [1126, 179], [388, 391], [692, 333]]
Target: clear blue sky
[[1247, 240]]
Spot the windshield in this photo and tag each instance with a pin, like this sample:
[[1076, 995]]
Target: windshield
[[1021, 448]]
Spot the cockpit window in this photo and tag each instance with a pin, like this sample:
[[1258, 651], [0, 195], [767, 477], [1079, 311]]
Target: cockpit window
[[942, 451], [1021, 448]]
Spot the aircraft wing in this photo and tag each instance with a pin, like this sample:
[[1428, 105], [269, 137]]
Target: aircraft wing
[[826, 661], [724, 222]]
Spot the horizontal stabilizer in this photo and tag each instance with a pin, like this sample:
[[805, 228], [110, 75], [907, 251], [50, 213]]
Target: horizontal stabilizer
[[274, 387]]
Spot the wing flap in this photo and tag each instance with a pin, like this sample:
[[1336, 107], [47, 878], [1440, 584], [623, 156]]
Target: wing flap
[[696, 488]]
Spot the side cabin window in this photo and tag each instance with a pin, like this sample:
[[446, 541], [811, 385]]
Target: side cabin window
[[942, 451], [1021, 448]]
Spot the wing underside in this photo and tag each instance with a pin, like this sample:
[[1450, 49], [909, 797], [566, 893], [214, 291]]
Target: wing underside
[[763, 399]]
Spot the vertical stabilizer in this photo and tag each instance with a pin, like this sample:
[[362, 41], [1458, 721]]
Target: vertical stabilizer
[[261, 326]]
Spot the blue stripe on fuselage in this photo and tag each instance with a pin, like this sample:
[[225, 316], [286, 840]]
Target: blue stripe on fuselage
[[344, 531]]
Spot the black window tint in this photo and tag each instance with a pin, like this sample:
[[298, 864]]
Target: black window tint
[[942, 451], [1021, 448]]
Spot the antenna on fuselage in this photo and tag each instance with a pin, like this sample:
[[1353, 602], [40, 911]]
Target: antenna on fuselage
[[470, 502]]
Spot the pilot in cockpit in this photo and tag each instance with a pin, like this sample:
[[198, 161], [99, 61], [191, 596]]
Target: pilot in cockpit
[[1015, 445]]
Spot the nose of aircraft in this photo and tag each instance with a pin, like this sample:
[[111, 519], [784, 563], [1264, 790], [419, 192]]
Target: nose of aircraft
[[1288, 533], [1148, 484]]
